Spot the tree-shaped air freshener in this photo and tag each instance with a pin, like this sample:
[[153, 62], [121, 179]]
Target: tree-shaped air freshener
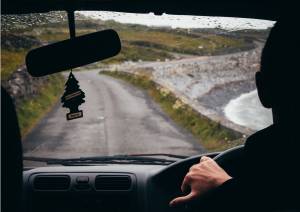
[[72, 98]]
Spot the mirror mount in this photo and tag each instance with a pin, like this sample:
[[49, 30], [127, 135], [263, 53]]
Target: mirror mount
[[74, 52], [71, 21]]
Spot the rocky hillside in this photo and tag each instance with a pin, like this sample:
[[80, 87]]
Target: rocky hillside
[[23, 21], [205, 83]]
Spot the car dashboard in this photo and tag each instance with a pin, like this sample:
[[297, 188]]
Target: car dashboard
[[88, 188], [93, 188], [108, 187]]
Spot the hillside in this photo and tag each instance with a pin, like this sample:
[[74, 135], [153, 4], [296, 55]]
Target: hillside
[[20, 33]]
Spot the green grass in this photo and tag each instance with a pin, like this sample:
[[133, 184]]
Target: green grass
[[136, 53], [11, 60], [32, 110], [179, 43], [211, 135], [59, 34]]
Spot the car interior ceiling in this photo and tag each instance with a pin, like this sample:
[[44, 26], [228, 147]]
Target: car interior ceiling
[[265, 9], [38, 194]]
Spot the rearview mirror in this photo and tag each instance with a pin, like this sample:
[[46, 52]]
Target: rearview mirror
[[73, 53]]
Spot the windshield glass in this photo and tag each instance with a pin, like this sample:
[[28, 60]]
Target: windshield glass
[[181, 85]]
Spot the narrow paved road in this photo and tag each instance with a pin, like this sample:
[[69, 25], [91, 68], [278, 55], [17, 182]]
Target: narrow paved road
[[118, 119]]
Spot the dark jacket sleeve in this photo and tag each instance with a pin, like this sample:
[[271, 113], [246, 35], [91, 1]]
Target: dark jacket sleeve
[[230, 196], [269, 180]]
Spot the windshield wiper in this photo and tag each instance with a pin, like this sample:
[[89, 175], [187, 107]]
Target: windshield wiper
[[117, 159], [161, 154]]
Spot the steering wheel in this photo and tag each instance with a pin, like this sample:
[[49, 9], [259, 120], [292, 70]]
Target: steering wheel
[[231, 160], [165, 185]]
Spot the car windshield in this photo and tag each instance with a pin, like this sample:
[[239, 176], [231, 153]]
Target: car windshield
[[181, 86]]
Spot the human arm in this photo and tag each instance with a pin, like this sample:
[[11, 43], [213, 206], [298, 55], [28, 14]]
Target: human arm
[[202, 177]]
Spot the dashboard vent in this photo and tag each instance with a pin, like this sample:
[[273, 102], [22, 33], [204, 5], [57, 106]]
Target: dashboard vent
[[113, 182], [61, 182]]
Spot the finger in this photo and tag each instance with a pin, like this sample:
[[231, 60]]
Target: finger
[[193, 167], [204, 158], [185, 185], [183, 199]]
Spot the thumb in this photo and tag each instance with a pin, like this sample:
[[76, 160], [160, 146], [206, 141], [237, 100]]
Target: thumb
[[183, 199], [204, 158]]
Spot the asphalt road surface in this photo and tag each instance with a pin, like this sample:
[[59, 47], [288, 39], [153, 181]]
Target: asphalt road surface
[[117, 119]]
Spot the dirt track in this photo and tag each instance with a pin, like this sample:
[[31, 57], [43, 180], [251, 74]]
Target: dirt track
[[118, 119]]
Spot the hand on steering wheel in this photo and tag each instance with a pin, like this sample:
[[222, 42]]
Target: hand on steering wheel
[[205, 175]]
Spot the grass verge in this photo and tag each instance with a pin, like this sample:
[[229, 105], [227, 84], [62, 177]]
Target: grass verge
[[11, 60], [29, 112], [211, 135]]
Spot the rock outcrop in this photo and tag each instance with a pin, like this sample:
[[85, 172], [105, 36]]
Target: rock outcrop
[[22, 86]]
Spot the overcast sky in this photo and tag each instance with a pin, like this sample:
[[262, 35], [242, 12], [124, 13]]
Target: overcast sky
[[180, 21]]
